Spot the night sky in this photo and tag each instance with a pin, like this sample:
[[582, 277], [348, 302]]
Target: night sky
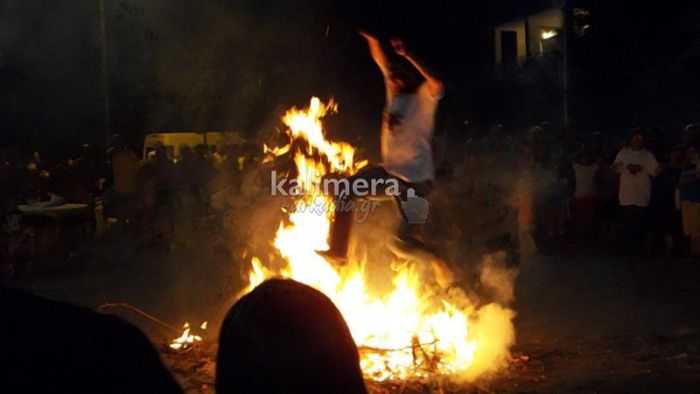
[[236, 65]]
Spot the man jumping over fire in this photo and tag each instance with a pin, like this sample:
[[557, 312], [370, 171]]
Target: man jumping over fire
[[406, 135]]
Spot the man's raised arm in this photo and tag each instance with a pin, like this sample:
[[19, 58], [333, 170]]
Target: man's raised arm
[[434, 84], [375, 49]]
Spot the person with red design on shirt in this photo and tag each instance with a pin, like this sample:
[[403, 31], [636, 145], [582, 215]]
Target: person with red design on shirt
[[636, 167]]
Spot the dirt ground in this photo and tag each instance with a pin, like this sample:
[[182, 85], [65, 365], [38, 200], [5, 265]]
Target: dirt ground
[[588, 320]]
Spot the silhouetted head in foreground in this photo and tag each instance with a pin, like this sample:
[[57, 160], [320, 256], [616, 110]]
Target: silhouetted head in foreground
[[55, 347], [286, 337]]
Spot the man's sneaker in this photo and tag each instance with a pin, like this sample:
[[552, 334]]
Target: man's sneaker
[[409, 243], [408, 246], [333, 257]]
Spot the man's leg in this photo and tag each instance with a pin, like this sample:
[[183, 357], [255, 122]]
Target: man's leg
[[339, 233], [628, 228], [413, 216], [635, 221]]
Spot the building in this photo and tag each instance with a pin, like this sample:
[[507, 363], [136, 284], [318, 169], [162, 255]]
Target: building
[[531, 52], [540, 32]]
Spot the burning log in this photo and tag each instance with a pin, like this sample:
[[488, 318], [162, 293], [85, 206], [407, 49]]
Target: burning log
[[285, 336], [187, 339]]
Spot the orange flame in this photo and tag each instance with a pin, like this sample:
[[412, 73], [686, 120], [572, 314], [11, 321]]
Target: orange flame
[[416, 329], [187, 339]]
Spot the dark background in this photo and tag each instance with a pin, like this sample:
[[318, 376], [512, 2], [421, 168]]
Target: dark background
[[237, 65]]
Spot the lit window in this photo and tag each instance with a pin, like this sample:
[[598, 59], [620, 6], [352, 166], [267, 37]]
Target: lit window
[[547, 34], [581, 21]]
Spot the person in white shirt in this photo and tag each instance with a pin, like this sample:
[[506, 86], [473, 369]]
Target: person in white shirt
[[636, 167], [406, 136]]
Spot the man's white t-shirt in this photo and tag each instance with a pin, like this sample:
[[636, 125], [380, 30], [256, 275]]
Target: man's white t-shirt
[[636, 168], [407, 130]]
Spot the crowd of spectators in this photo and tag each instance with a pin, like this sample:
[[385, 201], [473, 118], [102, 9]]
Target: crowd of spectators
[[637, 191], [117, 188], [151, 195]]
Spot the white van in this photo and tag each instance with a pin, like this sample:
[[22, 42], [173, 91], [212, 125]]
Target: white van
[[173, 141]]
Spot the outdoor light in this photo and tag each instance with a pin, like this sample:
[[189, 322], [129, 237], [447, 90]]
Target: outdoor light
[[547, 34]]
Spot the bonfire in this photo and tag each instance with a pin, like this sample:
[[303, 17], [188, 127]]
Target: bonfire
[[419, 327]]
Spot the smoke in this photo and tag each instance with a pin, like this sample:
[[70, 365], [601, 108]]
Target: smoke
[[492, 326], [497, 278]]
